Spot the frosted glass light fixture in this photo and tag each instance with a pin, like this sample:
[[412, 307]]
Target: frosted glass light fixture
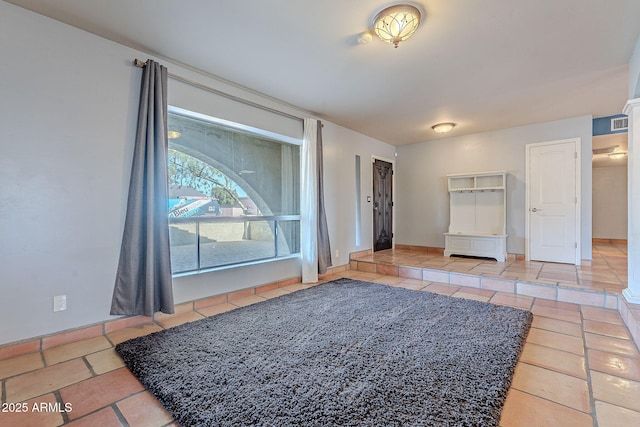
[[396, 23], [443, 127]]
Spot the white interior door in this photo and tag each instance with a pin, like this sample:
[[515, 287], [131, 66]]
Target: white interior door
[[553, 217]]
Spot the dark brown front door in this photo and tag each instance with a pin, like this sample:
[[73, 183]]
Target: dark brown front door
[[382, 204]]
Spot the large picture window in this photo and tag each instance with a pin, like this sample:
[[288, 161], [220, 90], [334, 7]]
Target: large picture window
[[234, 193]]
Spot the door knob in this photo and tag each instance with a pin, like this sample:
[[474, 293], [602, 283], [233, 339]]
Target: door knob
[[535, 209]]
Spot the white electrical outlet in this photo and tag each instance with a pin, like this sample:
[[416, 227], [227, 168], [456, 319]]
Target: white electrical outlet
[[59, 303], [337, 253]]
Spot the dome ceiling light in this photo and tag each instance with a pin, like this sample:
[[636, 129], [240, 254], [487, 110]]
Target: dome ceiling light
[[443, 127], [395, 24]]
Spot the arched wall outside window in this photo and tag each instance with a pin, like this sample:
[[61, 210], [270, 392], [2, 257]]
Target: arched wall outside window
[[234, 193]]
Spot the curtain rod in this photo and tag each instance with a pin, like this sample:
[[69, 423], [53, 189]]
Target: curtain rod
[[142, 64]]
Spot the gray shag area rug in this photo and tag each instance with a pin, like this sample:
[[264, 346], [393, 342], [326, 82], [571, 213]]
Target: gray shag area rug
[[344, 353]]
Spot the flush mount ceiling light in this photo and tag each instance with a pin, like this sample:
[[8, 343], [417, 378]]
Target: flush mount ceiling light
[[606, 150], [396, 23], [443, 127]]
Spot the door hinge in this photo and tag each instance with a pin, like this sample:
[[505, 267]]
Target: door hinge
[[576, 245], [575, 155]]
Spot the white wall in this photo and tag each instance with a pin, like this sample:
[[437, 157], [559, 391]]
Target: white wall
[[610, 202], [634, 72], [68, 106], [423, 201], [341, 145]]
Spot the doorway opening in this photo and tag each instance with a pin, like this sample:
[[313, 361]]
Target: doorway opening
[[382, 204], [609, 181]]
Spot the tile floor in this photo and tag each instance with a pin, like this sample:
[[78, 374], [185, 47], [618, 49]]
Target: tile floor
[[579, 367], [607, 272]]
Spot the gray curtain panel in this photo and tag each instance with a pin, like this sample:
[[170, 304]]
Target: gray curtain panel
[[324, 247], [143, 281]]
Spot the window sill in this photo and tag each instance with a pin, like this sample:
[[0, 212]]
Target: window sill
[[233, 266]]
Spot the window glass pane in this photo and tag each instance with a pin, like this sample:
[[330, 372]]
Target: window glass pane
[[236, 242], [288, 237], [183, 246], [233, 195]]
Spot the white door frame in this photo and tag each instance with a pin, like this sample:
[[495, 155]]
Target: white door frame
[[578, 205], [393, 199]]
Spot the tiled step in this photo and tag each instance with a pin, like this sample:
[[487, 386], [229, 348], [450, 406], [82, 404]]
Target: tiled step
[[555, 292]]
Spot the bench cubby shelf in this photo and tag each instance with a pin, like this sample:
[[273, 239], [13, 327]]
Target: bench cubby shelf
[[477, 215]]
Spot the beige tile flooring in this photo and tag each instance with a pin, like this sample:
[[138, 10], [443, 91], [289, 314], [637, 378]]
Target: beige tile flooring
[[607, 272], [579, 367]]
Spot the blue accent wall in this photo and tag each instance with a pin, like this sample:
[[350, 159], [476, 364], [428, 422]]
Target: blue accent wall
[[602, 125]]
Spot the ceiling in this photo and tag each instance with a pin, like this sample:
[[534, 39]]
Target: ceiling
[[617, 142], [484, 65]]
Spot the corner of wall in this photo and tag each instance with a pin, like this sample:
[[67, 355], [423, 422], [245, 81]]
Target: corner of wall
[[634, 72]]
